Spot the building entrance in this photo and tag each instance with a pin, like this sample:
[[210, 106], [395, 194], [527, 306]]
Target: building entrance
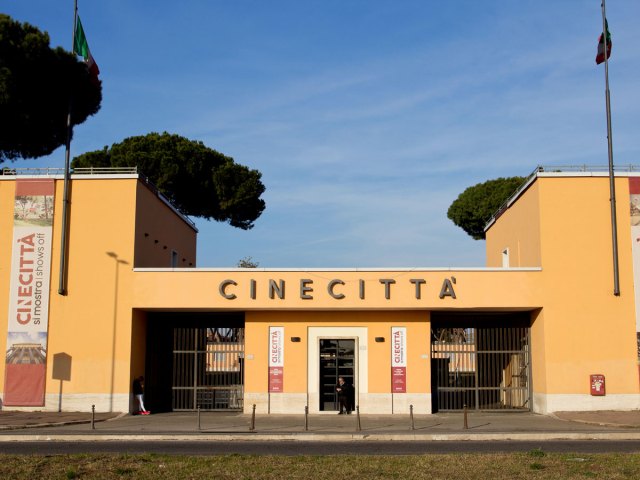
[[337, 359], [208, 368], [480, 367], [194, 360]]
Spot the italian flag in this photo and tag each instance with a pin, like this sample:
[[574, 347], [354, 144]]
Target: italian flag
[[600, 56], [81, 47]]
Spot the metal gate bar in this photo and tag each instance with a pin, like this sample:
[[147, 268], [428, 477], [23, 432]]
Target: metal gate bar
[[208, 368], [480, 368]]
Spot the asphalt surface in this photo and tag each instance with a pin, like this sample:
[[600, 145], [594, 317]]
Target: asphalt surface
[[289, 448]]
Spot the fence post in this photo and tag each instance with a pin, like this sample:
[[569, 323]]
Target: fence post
[[413, 427], [358, 426], [466, 424], [93, 417], [306, 418], [253, 419], [199, 418]]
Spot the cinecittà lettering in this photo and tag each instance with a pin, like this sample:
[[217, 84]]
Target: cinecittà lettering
[[24, 310], [336, 288]]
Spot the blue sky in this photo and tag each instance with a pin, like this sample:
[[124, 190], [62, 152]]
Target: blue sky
[[366, 118]]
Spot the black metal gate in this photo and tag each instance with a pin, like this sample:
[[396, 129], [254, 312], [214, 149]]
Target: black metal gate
[[208, 368], [481, 368]]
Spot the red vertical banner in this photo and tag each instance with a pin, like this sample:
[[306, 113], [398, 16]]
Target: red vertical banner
[[276, 359], [398, 360], [28, 320]]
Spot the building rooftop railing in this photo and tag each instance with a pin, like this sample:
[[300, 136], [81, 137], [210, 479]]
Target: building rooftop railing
[[105, 171], [584, 168], [54, 171], [151, 186]]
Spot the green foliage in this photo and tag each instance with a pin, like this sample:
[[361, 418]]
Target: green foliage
[[474, 207], [37, 84], [247, 262], [537, 452], [200, 181]]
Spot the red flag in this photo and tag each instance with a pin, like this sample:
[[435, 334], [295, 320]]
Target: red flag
[[600, 56]]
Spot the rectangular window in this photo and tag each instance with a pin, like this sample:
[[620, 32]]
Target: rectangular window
[[505, 258]]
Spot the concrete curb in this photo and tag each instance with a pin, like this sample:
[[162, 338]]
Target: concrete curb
[[305, 437]]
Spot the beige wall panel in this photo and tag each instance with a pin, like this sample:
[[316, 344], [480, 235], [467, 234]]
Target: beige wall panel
[[159, 232], [518, 230]]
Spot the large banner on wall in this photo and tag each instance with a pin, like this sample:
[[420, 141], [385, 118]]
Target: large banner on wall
[[398, 360], [276, 359], [25, 364], [634, 196]]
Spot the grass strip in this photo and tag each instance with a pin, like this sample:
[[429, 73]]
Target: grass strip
[[532, 465]]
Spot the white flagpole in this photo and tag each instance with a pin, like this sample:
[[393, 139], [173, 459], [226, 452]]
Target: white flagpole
[[62, 279], [612, 186]]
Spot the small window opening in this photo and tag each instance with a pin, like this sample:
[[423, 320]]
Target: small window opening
[[505, 258]]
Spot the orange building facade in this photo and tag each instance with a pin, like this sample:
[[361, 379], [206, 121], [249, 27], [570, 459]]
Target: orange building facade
[[538, 329]]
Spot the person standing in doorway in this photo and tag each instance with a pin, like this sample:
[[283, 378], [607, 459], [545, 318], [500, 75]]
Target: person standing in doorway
[[138, 393], [345, 392]]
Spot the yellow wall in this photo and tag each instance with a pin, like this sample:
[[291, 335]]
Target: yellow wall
[[587, 329], [7, 195], [582, 328], [159, 232], [92, 323], [558, 233], [517, 229], [200, 289], [295, 354], [538, 352]]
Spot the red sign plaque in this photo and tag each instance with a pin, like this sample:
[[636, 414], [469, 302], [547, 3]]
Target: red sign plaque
[[398, 360], [276, 359], [597, 385]]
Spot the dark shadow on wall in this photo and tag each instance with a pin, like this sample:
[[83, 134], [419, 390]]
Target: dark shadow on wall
[[118, 262], [62, 372]]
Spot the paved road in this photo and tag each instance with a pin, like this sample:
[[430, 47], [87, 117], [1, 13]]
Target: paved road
[[315, 448]]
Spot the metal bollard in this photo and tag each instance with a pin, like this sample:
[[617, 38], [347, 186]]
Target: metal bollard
[[413, 427], [306, 418], [358, 426], [253, 419], [199, 419], [93, 417], [466, 424]]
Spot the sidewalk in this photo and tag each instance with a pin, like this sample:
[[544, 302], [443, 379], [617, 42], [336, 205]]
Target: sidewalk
[[25, 426], [21, 420]]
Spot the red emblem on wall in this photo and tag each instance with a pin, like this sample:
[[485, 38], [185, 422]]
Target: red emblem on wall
[[597, 385]]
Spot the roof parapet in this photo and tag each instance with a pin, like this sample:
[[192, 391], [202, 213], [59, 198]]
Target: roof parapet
[[549, 170], [97, 171]]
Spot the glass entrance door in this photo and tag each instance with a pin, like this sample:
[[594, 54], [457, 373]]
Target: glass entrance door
[[337, 359]]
